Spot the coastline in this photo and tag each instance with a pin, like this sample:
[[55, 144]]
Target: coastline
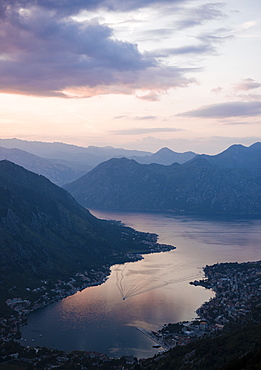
[[237, 288], [46, 294], [226, 279]]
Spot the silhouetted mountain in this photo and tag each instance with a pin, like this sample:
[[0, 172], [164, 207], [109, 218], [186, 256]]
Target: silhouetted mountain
[[58, 171], [46, 234], [195, 186], [165, 156], [238, 156]]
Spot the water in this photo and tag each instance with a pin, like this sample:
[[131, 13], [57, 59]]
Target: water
[[156, 290]]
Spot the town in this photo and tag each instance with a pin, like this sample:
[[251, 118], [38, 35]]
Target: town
[[237, 288]]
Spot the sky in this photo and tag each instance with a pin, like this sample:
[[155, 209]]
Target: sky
[[134, 74]]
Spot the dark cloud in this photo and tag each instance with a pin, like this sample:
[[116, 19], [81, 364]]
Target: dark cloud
[[225, 110], [138, 131], [45, 55], [45, 52], [73, 7]]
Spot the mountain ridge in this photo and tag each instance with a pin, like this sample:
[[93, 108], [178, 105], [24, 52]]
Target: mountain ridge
[[85, 158], [58, 171], [46, 234], [238, 156], [199, 185]]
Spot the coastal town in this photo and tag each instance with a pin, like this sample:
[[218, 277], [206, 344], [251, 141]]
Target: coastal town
[[237, 288]]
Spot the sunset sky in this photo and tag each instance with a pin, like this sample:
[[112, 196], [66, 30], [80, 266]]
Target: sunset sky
[[136, 74]]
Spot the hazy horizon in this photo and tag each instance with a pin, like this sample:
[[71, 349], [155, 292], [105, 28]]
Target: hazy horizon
[[119, 147], [136, 74]]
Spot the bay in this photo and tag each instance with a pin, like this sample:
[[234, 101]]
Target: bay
[[147, 293]]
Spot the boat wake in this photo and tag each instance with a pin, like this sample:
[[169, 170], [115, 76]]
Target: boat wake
[[127, 290]]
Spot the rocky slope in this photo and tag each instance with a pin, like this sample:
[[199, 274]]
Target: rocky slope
[[238, 156], [200, 185], [46, 234]]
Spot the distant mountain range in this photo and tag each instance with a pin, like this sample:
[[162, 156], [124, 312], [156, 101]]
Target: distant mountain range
[[165, 156], [229, 182], [90, 156], [63, 163], [46, 234], [58, 171]]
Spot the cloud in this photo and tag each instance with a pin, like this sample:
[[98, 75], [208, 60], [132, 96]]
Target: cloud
[[247, 84], [249, 97], [197, 16], [217, 90], [233, 123], [139, 131], [46, 55], [152, 96], [68, 7], [137, 117], [223, 110], [206, 43], [189, 49], [144, 117], [216, 37], [120, 117]]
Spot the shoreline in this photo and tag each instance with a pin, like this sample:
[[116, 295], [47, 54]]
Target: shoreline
[[154, 336], [237, 293], [243, 279], [62, 289]]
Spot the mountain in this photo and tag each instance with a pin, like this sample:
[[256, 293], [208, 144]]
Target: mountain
[[58, 171], [90, 156], [239, 156], [195, 186], [85, 158], [46, 234], [165, 156]]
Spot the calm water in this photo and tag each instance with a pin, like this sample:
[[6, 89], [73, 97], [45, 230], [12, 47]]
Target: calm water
[[156, 289]]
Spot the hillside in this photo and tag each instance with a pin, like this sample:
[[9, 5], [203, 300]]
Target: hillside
[[46, 234], [238, 156], [238, 348], [195, 186], [58, 171]]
